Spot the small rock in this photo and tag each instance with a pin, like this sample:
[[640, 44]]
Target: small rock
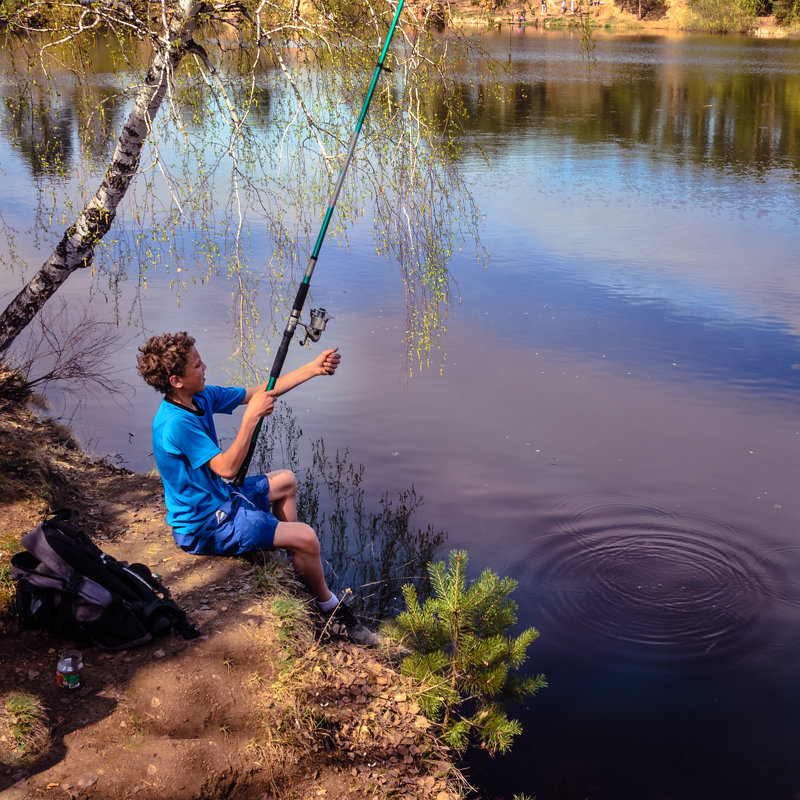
[[88, 780]]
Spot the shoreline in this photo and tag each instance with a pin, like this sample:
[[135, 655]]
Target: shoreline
[[259, 705], [606, 17]]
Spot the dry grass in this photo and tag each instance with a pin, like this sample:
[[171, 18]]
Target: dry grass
[[42, 468], [26, 722], [339, 707], [9, 544], [346, 705]]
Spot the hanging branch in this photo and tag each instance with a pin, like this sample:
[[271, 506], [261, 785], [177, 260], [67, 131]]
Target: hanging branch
[[77, 246]]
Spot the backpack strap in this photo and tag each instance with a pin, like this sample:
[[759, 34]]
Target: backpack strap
[[35, 542]]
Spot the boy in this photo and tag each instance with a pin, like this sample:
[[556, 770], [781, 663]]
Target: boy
[[207, 515]]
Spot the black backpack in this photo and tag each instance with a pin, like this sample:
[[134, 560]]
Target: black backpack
[[69, 585]]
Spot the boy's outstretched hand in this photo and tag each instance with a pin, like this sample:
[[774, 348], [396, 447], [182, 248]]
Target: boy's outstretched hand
[[326, 362]]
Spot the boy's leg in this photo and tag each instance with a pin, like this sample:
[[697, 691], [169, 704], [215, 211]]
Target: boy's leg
[[297, 538], [302, 545], [283, 494]]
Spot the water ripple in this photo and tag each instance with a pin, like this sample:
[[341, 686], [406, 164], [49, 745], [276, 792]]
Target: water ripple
[[642, 586]]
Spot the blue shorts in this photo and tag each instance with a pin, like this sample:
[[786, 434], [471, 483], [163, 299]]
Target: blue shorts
[[240, 525]]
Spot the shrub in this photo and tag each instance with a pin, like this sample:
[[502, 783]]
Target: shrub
[[724, 16], [787, 12], [463, 657]]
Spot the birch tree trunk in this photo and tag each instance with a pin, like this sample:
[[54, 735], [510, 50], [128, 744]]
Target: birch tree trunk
[[77, 246]]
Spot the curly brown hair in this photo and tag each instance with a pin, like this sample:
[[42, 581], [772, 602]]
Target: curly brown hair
[[162, 356]]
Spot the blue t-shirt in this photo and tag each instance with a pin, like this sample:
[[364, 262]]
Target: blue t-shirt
[[184, 441]]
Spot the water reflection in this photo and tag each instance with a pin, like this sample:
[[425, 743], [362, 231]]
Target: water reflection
[[99, 111], [618, 408], [53, 120], [698, 100], [41, 133], [654, 333], [693, 101]]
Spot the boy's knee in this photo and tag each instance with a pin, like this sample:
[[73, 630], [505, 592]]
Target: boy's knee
[[287, 476], [299, 537], [310, 540], [282, 482]]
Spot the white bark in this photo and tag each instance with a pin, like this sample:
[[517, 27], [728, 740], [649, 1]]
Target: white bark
[[77, 246]]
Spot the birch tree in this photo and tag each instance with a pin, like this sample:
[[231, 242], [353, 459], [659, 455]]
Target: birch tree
[[77, 246], [407, 166]]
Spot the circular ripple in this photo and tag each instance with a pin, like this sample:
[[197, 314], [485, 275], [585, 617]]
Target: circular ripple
[[642, 586]]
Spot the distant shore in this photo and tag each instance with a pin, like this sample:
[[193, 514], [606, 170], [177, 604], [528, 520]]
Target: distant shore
[[672, 17]]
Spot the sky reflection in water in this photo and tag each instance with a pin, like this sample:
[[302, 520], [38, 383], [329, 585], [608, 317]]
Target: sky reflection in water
[[616, 423]]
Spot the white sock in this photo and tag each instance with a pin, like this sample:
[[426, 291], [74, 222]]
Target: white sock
[[328, 605]]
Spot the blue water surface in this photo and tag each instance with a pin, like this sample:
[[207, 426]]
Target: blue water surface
[[613, 419]]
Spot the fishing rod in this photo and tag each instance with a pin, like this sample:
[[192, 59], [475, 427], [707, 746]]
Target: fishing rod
[[319, 317]]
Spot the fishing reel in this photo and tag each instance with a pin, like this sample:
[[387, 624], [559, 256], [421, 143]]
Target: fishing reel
[[319, 319]]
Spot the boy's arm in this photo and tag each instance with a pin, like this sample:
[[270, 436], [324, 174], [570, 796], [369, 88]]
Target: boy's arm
[[227, 463], [324, 364]]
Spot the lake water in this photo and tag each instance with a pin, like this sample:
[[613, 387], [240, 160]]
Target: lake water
[[616, 422]]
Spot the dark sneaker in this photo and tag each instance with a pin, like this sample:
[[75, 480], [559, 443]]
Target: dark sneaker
[[356, 631]]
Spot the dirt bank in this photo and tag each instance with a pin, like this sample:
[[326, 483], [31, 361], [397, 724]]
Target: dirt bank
[[252, 709]]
